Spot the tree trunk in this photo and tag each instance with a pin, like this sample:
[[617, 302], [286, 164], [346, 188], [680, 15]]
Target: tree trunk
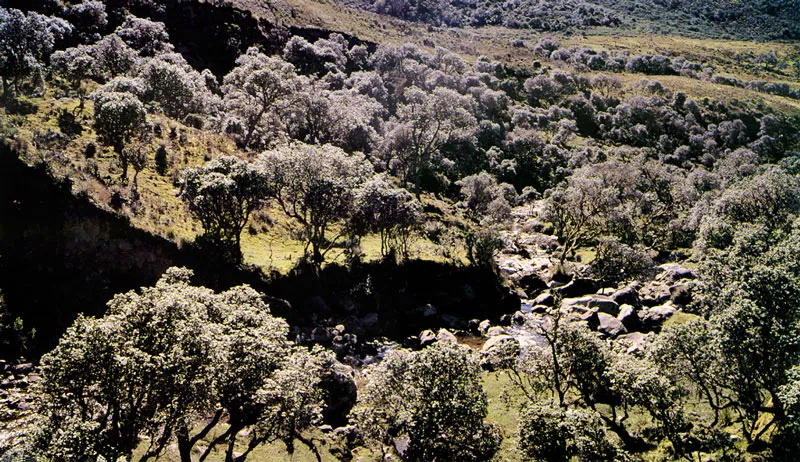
[[184, 446]]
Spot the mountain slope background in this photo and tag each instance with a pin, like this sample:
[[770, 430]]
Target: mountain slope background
[[747, 19]]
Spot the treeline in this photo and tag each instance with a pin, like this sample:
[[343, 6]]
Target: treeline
[[753, 19], [484, 135]]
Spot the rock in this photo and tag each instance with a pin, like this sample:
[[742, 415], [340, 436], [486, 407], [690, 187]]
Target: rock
[[472, 326], [484, 326], [545, 298], [495, 331], [453, 322], [468, 292], [654, 293], [629, 318], [412, 342], [23, 369], [339, 385], [627, 295], [591, 318], [532, 283], [578, 287], [680, 294], [369, 321], [510, 303], [498, 351], [428, 310], [505, 320], [653, 317], [636, 341], [445, 336], [601, 302], [317, 304], [426, 337], [673, 272], [539, 309], [320, 335], [610, 326], [325, 428], [518, 318], [607, 291]]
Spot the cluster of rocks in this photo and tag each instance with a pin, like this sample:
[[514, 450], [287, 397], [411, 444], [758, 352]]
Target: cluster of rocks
[[614, 312], [630, 315], [16, 402]]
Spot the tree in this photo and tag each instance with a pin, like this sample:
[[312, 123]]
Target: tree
[[432, 397], [147, 37], [551, 433], [258, 86], [393, 213], [156, 364], [316, 186], [118, 116], [75, 65], [136, 153], [113, 57], [425, 121], [89, 18], [579, 210], [223, 194], [177, 88], [26, 40]]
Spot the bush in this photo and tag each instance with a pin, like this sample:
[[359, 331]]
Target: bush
[[161, 159], [616, 262], [551, 433]]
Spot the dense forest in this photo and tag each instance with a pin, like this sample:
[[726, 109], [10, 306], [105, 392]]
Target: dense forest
[[226, 234]]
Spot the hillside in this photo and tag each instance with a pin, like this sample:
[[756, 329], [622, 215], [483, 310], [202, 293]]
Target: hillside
[[751, 19], [431, 230]]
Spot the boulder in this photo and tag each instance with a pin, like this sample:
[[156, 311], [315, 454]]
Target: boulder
[[428, 310], [532, 283], [518, 318], [539, 309], [453, 322], [484, 326], [23, 369], [472, 326], [654, 293], [339, 385], [591, 318], [426, 337], [673, 272], [653, 317], [635, 341], [578, 287], [627, 295], [610, 326], [445, 336], [545, 298], [499, 351], [629, 318], [495, 331], [369, 321], [604, 304], [505, 320], [320, 335], [680, 294]]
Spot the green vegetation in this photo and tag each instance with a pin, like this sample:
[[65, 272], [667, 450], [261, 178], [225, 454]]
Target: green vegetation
[[493, 244]]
